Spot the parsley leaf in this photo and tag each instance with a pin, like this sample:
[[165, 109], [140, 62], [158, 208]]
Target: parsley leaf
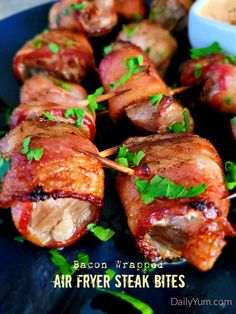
[[197, 70], [103, 234], [108, 49], [69, 42], [110, 272], [134, 66], [48, 115], [137, 304], [78, 6], [137, 17], [180, 126], [148, 50], [4, 166], [147, 269], [129, 30], [155, 100], [202, 52], [37, 43], [230, 177], [234, 121], [93, 105], [31, 153], [20, 239], [129, 159], [78, 113], [64, 267], [54, 48], [228, 100], [162, 187], [62, 85]]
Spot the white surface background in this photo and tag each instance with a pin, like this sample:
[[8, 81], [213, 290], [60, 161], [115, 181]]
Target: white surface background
[[9, 7]]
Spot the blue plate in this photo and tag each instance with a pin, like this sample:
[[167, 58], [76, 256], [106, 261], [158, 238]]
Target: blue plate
[[26, 272]]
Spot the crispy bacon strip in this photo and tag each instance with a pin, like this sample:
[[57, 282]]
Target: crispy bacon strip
[[191, 228], [62, 54], [218, 80], [60, 173], [136, 102], [42, 94], [169, 12], [92, 17], [154, 40], [130, 9]]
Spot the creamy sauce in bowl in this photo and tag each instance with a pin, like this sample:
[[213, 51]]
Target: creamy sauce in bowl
[[220, 10]]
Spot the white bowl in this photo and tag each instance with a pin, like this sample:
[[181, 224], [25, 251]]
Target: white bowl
[[203, 31]]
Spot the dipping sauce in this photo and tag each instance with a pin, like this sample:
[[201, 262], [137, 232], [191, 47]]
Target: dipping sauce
[[220, 10]]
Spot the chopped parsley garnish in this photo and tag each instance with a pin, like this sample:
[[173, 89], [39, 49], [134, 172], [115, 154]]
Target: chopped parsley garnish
[[93, 105], [69, 42], [31, 153], [234, 121], [103, 234], [64, 267], [148, 50], [54, 48], [228, 100], [230, 177], [20, 239], [155, 100], [74, 7], [62, 85], [197, 70], [136, 303], [162, 187], [202, 52], [129, 30], [146, 269], [37, 43], [134, 65], [78, 6], [4, 166], [48, 115], [180, 126], [110, 272], [127, 158], [75, 112], [213, 48], [137, 17], [108, 49]]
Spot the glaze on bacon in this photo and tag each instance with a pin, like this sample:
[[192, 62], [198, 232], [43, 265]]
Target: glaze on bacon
[[94, 17], [154, 40], [130, 9], [65, 185], [71, 63], [169, 12], [136, 103], [191, 228], [41, 94], [218, 78]]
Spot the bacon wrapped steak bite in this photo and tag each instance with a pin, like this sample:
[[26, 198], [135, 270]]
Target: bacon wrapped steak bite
[[130, 9], [154, 40], [141, 85], [218, 78], [92, 17], [169, 12], [54, 197], [62, 54], [43, 94], [192, 228]]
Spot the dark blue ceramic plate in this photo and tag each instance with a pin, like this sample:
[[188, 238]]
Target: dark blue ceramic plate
[[26, 272]]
